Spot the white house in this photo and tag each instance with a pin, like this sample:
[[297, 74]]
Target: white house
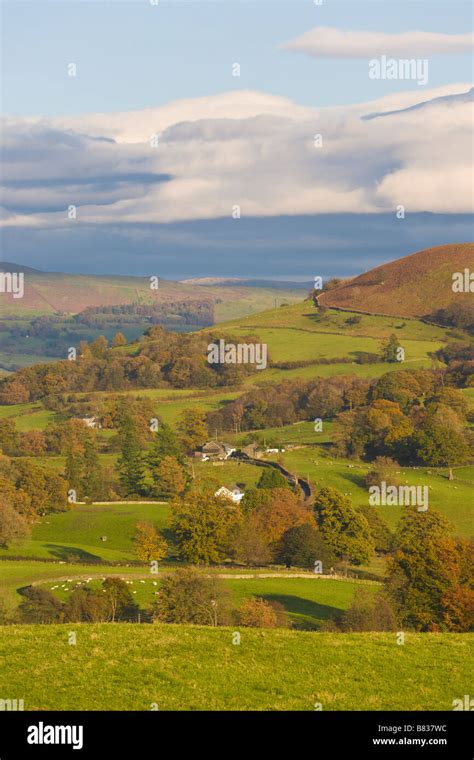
[[234, 493], [91, 422]]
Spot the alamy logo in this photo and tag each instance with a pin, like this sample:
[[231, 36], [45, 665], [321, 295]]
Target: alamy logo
[[9, 705], [463, 704], [240, 353], [463, 282], [399, 496], [42, 734], [12, 282], [403, 68]]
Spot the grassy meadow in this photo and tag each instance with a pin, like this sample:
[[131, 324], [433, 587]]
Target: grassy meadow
[[178, 667], [307, 599], [77, 535]]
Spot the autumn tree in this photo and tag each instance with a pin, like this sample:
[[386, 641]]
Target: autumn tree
[[170, 478], [427, 571], [119, 597], [119, 339], [88, 606], [13, 526], [14, 392], [189, 596], [390, 349], [283, 511], [99, 347], [384, 469], [40, 485], [368, 612], [344, 529], [192, 428], [33, 443], [149, 543], [202, 524], [250, 542], [255, 612], [17, 497], [9, 438], [56, 493], [304, 546]]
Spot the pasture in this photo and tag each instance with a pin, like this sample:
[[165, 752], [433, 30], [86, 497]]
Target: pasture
[[177, 667]]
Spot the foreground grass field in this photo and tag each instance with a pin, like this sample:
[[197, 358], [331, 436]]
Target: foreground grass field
[[175, 667]]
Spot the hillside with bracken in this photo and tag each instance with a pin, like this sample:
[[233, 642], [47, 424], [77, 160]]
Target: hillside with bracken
[[415, 286]]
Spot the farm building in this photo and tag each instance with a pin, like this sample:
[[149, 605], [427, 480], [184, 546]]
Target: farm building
[[91, 422], [253, 450], [234, 493], [216, 450]]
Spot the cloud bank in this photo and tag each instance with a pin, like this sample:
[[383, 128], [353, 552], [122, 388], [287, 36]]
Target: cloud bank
[[330, 42], [200, 159]]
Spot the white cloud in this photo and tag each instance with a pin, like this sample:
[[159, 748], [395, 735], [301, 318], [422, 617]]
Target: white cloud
[[330, 42], [247, 149], [139, 126]]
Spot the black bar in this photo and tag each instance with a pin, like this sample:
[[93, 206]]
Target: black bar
[[130, 734]]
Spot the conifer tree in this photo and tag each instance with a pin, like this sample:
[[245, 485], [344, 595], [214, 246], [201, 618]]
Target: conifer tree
[[130, 463], [91, 470]]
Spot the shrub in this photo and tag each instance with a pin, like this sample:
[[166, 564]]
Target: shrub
[[368, 612], [189, 596], [302, 546], [40, 606], [258, 613], [384, 469]]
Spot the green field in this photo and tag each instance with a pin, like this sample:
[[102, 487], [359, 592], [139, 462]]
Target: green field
[[454, 498], [365, 371], [296, 333], [16, 574], [303, 316], [308, 599], [169, 411], [297, 433], [167, 667], [170, 404], [77, 534], [30, 416], [300, 345]]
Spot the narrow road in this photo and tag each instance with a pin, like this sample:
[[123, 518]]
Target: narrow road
[[303, 484]]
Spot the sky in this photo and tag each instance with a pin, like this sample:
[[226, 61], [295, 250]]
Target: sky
[[235, 182]]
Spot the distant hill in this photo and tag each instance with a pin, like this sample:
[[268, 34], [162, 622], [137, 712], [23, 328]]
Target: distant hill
[[249, 283], [55, 292], [414, 286]]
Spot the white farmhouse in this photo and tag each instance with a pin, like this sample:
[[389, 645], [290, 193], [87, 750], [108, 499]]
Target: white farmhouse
[[234, 493]]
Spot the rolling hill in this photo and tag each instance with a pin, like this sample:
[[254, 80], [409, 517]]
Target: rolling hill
[[414, 286], [49, 293]]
